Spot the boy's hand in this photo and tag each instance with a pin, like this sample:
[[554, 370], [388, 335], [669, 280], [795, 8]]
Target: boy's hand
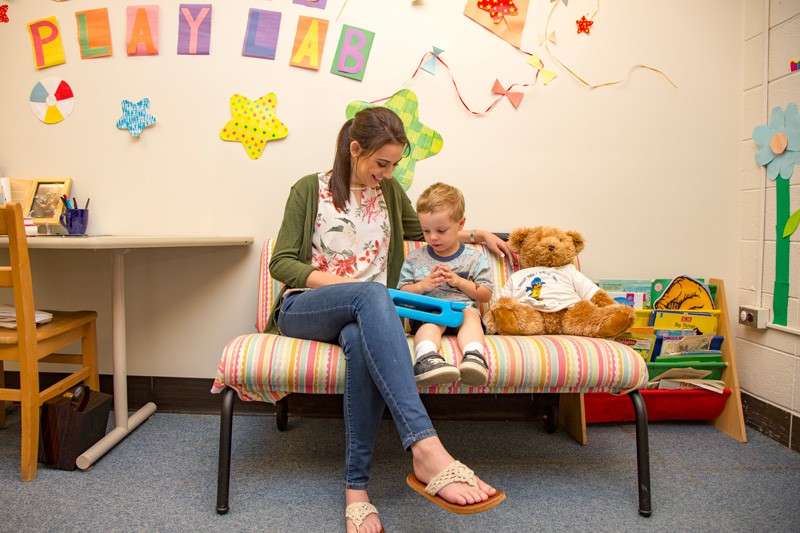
[[452, 279], [431, 281]]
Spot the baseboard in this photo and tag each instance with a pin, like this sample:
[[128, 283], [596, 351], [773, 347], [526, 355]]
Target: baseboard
[[779, 425], [193, 395]]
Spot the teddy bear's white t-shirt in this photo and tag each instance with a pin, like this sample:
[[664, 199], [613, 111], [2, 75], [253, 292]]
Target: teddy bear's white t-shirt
[[549, 289]]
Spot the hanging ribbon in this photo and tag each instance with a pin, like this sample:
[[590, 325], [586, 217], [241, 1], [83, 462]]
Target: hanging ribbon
[[512, 96], [590, 85]]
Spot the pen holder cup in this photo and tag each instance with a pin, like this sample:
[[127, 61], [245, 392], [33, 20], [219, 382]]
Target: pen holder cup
[[75, 221]]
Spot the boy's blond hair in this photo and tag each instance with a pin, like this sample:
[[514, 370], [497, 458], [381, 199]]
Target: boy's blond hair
[[442, 197]]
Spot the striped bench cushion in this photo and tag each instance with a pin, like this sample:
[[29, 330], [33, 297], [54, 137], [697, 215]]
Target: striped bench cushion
[[266, 367]]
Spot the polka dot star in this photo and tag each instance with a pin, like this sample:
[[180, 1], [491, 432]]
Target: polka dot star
[[254, 123], [424, 141], [584, 25]]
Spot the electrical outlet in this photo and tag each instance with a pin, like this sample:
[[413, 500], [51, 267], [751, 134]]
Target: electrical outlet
[[755, 317]]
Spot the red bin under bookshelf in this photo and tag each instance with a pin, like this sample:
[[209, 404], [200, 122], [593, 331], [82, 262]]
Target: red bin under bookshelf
[[661, 405]]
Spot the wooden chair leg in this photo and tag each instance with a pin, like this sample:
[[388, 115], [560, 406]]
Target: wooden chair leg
[[2, 403], [89, 354], [29, 444]]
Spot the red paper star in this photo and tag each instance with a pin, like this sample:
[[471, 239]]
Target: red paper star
[[584, 25], [4, 13], [498, 8]]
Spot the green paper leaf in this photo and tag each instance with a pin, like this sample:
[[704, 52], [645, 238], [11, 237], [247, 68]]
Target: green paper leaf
[[791, 224]]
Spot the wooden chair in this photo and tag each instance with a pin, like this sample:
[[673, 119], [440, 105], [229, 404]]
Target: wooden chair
[[30, 344]]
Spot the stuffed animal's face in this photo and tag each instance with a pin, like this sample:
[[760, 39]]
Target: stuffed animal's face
[[545, 246]]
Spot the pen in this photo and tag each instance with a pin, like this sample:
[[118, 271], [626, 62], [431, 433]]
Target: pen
[[75, 203], [87, 203], [64, 201]]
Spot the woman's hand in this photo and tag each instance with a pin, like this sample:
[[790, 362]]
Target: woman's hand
[[496, 244]]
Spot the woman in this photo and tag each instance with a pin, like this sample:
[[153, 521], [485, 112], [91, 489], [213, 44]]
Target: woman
[[342, 236]]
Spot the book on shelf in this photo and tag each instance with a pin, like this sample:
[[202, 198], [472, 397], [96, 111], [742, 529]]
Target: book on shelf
[[713, 385], [643, 286], [8, 316]]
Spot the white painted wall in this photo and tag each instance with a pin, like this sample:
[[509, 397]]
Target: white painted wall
[[769, 360], [648, 172]]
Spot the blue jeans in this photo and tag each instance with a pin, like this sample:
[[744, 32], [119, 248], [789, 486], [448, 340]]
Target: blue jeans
[[362, 319]]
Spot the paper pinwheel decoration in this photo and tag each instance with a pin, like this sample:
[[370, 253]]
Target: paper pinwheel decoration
[[4, 13], [584, 25], [498, 9], [135, 117], [514, 97], [254, 123], [430, 64], [779, 142], [424, 141]]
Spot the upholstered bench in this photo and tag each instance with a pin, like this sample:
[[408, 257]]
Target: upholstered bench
[[263, 367]]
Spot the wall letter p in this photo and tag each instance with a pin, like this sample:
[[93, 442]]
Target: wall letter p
[[46, 42]]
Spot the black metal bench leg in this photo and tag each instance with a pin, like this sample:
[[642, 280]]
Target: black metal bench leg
[[642, 453], [225, 434]]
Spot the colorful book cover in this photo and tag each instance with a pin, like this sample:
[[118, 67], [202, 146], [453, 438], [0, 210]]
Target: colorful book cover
[[641, 343], [635, 300], [701, 322], [628, 285]]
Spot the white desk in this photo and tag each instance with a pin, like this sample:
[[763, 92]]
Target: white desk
[[119, 246]]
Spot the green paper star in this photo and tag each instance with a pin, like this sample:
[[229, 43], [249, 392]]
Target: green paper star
[[424, 141]]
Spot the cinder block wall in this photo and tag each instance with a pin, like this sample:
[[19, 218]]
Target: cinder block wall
[[768, 360]]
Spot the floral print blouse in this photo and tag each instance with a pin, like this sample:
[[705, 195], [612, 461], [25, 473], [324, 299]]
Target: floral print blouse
[[354, 242]]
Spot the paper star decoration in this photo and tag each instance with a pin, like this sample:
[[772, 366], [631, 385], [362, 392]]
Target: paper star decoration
[[498, 9], [4, 13], [430, 64], [135, 117], [514, 97], [424, 141], [584, 25], [254, 123], [535, 62]]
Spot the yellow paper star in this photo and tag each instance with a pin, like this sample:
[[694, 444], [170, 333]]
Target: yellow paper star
[[254, 123]]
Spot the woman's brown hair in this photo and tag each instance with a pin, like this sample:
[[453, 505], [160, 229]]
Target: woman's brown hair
[[371, 128]]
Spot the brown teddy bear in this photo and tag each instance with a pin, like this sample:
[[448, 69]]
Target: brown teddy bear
[[548, 295]]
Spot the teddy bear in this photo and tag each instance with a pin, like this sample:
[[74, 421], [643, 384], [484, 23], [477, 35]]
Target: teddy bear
[[549, 295]]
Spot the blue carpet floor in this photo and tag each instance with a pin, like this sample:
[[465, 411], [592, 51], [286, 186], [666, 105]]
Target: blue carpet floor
[[163, 478]]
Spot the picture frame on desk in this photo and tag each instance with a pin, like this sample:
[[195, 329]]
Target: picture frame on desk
[[41, 198]]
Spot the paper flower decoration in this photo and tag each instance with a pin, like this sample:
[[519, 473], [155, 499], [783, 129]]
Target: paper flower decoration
[[424, 141], [135, 117], [779, 142], [498, 9], [584, 25], [4, 13], [254, 123]]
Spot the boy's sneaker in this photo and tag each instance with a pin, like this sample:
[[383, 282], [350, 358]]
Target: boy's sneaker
[[474, 370], [432, 369]]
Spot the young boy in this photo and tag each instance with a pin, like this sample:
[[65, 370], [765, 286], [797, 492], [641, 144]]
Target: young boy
[[447, 269]]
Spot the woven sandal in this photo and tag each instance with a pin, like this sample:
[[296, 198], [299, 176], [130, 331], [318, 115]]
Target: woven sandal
[[358, 511], [455, 473], [474, 370]]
